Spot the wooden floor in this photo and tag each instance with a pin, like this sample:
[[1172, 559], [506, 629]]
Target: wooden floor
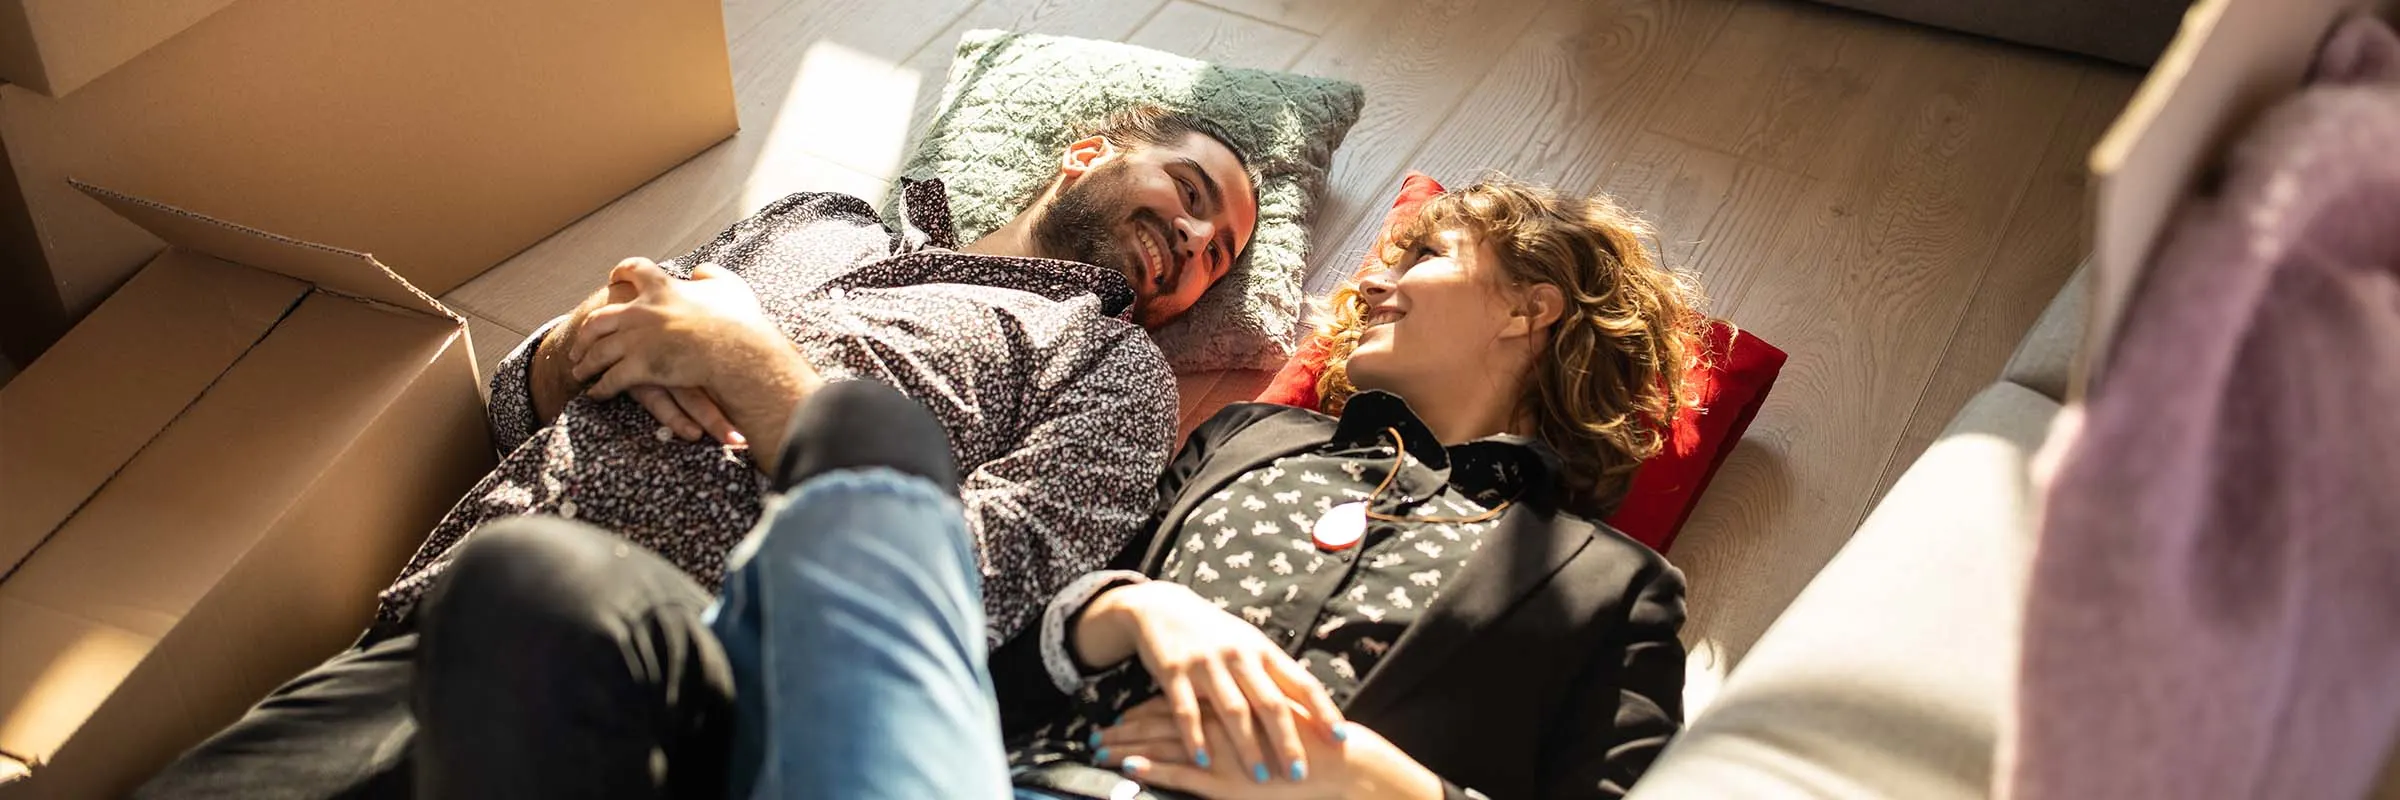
[[1891, 204]]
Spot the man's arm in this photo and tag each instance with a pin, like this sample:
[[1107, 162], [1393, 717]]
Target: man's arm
[[1080, 483]]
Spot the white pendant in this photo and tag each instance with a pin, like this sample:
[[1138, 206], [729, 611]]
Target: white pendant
[[1341, 526]]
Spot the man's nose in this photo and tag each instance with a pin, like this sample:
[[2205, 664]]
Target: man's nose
[[1191, 236]]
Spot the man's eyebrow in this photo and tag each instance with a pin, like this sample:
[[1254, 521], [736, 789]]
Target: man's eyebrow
[[1216, 196]]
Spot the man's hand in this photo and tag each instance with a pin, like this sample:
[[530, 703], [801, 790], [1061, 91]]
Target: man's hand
[[553, 377], [671, 332], [689, 411], [702, 347]]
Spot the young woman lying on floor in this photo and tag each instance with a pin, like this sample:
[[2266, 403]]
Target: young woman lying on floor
[[1407, 600]]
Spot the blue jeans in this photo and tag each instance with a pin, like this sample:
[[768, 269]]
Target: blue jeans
[[854, 623]]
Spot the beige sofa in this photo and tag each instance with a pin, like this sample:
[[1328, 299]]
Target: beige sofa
[[1888, 676]]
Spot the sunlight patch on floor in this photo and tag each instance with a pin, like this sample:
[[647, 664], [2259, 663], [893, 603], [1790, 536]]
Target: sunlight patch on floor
[[1704, 668], [847, 111]]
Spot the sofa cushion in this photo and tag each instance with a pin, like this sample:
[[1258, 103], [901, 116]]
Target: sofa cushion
[[1887, 676], [2046, 356]]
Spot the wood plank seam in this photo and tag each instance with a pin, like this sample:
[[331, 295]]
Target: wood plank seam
[[1949, 342], [1248, 16]]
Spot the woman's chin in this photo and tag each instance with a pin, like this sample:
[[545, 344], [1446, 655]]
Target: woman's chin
[[1366, 363]]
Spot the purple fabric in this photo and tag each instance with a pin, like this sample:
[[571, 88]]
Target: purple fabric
[[2215, 605]]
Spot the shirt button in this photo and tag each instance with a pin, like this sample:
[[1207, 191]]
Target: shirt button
[[663, 433], [566, 508]]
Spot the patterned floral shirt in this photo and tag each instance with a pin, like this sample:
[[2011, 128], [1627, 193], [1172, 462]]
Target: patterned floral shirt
[[1250, 549], [1059, 410]]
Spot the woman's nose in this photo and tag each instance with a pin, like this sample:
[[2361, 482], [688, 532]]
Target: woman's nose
[[1375, 284]]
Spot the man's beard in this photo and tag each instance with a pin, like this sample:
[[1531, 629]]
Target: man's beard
[[1080, 224]]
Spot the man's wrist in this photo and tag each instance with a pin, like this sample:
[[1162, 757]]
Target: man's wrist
[[759, 389], [552, 379]]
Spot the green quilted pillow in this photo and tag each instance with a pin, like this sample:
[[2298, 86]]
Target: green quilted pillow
[[1015, 101]]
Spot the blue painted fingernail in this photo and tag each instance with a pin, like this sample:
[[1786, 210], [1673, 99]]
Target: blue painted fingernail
[[1095, 740], [1131, 766], [1100, 757], [1341, 733], [1200, 758], [1299, 771], [1259, 773]]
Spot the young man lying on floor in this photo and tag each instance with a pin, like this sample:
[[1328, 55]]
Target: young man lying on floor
[[1028, 346]]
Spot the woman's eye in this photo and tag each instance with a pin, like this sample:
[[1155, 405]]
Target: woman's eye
[[1191, 197]]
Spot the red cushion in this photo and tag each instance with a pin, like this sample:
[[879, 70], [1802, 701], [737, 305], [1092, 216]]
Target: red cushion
[[1741, 368], [1296, 383]]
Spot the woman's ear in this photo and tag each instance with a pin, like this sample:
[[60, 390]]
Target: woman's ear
[[1538, 307], [1085, 154]]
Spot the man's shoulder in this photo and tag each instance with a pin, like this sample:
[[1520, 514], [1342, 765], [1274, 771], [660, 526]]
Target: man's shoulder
[[824, 206], [1127, 350]]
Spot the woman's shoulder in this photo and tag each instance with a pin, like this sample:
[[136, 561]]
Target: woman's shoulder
[[1237, 419], [1615, 544]]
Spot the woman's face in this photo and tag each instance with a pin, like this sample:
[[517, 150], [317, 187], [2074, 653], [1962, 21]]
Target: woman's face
[[1438, 314]]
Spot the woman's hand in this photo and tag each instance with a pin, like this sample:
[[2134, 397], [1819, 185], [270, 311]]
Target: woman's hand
[[1200, 655], [1350, 761]]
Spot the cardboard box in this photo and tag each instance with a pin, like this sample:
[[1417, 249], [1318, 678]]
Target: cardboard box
[[56, 46], [2229, 62], [204, 485], [444, 135]]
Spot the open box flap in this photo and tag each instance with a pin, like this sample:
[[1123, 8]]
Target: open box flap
[[73, 418], [204, 494], [2228, 63], [332, 268]]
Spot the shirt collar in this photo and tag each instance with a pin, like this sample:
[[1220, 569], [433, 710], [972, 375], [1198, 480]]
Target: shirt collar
[[1498, 467], [925, 216]]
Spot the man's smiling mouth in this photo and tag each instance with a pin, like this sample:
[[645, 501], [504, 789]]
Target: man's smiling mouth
[[1154, 263]]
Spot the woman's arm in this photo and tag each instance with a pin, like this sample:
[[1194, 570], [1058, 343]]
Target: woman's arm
[[1625, 708], [1028, 693], [1348, 761], [1630, 701]]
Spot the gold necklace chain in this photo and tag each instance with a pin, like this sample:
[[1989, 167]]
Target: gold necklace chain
[[1400, 461]]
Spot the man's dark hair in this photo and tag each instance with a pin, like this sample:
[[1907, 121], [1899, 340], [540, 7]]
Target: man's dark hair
[[1158, 126]]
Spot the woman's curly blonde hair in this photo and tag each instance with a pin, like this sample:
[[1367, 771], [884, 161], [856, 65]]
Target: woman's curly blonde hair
[[1613, 381]]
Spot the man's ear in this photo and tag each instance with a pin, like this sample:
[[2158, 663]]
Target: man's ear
[[1084, 155], [1538, 307]]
